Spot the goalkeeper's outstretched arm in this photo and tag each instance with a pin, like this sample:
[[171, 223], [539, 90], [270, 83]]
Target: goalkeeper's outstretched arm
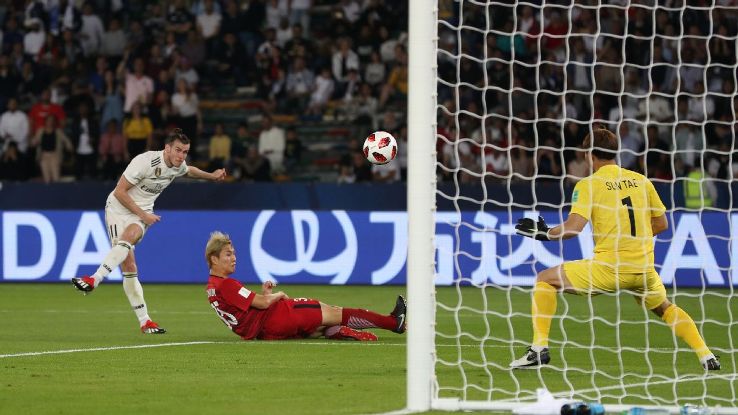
[[540, 231], [571, 227]]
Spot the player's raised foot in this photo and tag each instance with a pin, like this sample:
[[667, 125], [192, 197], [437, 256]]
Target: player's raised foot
[[711, 363], [152, 328], [531, 359], [85, 284], [399, 313], [347, 333]]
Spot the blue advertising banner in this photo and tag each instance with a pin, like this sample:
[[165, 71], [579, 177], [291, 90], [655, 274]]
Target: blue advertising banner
[[340, 247]]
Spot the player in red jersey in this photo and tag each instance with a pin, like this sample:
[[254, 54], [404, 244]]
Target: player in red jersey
[[275, 316]]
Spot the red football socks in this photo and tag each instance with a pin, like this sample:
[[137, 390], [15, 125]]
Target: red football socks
[[357, 318]]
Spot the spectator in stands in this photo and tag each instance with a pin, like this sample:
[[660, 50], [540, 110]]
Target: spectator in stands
[[71, 48], [272, 143], [112, 151], [375, 71], [549, 161], [112, 104], [194, 52], [284, 32], [113, 41], [276, 10], [162, 116], [256, 167], [12, 164], [51, 142], [292, 150], [495, 159], [364, 108], [208, 23], [231, 57], [322, 91], [300, 83], [91, 32], [300, 14], [396, 86], [299, 45], [179, 20], [138, 132], [252, 21], [241, 143], [630, 145], [186, 71], [14, 128], [9, 81], [577, 168], [521, 164], [656, 159], [139, 87], [356, 170], [42, 109], [84, 135], [186, 106], [344, 59], [220, 148], [34, 38]]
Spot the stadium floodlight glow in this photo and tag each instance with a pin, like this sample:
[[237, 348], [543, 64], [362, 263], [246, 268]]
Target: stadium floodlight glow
[[604, 349]]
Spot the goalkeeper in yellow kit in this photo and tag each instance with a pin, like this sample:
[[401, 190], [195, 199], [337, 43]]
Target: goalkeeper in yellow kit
[[626, 212]]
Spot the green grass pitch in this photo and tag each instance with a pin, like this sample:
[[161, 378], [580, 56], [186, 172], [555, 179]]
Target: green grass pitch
[[201, 367]]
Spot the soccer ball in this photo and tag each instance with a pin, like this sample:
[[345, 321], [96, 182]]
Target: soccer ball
[[380, 147]]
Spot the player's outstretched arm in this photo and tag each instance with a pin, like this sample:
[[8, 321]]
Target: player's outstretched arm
[[540, 231], [216, 176]]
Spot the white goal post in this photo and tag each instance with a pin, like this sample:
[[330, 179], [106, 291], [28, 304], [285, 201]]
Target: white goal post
[[469, 285]]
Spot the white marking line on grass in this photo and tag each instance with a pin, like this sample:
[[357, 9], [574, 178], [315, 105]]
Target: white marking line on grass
[[625, 386], [102, 349]]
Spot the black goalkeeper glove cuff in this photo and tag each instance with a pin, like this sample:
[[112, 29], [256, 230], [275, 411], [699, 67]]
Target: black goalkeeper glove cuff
[[529, 228]]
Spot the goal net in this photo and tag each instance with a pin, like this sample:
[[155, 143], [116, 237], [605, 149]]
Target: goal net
[[519, 85]]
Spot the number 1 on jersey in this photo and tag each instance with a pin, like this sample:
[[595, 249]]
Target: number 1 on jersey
[[631, 215]]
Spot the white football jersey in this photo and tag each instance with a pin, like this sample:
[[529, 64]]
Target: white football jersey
[[150, 176]]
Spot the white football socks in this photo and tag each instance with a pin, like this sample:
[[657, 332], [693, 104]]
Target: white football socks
[[117, 254], [135, 295]]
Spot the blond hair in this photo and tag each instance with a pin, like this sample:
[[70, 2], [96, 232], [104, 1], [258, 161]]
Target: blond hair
[[218, 240]]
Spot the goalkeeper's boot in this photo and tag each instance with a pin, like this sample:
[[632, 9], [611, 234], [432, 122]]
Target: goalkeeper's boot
[[712, 363], [152, 328], [85, 284], [347, 333], [399, 313], [532, 359]]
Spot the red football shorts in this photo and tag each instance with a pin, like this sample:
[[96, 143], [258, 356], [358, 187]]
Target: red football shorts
[[292, 319]]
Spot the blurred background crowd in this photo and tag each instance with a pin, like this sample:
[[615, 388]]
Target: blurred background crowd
[[287, 89], [661, 74]]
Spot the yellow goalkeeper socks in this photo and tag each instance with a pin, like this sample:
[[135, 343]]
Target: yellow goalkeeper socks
[[683, 326], [544, 307]]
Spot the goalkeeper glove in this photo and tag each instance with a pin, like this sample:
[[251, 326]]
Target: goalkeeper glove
[[537, 230]]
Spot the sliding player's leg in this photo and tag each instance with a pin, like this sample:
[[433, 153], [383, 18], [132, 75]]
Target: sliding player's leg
[[134, 291], [654, 296], [359, 318]]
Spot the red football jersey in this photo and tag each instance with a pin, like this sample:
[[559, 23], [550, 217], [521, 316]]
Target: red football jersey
[[232, 301]]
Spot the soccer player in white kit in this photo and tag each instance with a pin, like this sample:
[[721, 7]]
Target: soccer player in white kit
[[129, 211]]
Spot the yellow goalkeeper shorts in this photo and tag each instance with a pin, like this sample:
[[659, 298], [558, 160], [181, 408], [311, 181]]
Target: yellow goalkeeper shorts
[[591, 277]]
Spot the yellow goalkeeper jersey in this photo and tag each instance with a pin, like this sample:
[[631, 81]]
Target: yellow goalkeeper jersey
[[619, 204]]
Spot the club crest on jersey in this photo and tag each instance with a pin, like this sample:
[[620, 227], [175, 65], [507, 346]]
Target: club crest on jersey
[[157, 172]]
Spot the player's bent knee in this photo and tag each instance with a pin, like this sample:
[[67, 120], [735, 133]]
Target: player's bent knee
[[661, 308]]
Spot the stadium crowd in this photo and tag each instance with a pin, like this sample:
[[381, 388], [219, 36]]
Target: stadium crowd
[[84, 86], [534, 79]]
